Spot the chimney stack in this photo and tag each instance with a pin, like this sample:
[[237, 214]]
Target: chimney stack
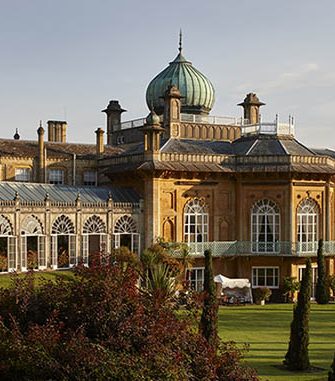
[[57, 131], [113, 112], [251, 105], [41, 158], [100, 141]]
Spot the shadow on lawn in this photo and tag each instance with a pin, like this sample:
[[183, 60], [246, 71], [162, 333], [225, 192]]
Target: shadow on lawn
[[311, 369], [54, 275]]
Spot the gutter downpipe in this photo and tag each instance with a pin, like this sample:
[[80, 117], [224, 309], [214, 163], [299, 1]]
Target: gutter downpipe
[[74, 169]]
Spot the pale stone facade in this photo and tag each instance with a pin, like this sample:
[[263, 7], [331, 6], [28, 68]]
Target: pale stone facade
[[64, 228]]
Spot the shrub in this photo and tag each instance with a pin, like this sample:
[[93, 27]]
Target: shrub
[[3, 262], [98, 326], [32, 259], [331, 283], [262, 293], [290, 286]]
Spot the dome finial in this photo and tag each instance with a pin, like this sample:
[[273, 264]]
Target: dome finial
[[17, 135], [180, 41]]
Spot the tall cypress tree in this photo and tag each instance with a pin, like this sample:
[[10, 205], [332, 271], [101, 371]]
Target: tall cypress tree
[[322, 289], [297, 357], [209, 316]]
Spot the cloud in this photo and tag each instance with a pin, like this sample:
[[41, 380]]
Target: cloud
[[309, 75]]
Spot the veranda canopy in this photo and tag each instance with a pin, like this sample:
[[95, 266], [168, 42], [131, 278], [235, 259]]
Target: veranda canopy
[[238, 287], [232, 283]]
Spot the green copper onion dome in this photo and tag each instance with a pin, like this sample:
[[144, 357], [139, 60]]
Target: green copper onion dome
[[196, 90]]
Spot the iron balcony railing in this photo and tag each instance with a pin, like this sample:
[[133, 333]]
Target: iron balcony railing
[[140, 122], [216, 120], [246, 248], [272, 128]]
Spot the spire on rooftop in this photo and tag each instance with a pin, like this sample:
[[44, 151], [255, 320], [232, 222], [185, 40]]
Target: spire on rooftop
[[16, 135], [180, 41]]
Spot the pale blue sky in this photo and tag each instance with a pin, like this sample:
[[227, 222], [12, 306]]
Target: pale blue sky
[[66, 59]]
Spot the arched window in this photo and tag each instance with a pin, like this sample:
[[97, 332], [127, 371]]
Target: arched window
[[63, 243], [5, 226], [125, 224], [308, 220], [7, 246], [94, 225], [125, 234], [62, 225], [265, 225], [196, 225], [31, 226], [94, 238], [32, 244]]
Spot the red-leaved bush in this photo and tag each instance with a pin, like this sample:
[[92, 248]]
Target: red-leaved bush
[[98, 326]]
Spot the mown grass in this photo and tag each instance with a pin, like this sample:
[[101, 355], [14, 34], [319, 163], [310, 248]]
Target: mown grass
[[266, 329], [39, 276]]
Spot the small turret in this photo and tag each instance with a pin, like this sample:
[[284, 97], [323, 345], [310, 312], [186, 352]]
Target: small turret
[[172, 111], [152, 131]]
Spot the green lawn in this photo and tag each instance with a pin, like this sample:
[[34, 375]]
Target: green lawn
[[266, 329], [6, 279]]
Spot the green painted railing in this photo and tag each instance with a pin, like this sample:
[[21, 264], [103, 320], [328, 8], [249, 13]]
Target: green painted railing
[[247, 248]]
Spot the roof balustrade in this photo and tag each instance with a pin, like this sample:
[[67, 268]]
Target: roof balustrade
[[272, 128]]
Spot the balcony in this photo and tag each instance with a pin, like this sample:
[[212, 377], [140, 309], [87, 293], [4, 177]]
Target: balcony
[[135, 123], [274, 128], [216, 120], [247, 248]]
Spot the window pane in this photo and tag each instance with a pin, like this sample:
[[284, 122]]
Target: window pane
[[22, 174], [269, 277], [196, 279], [264, 226], [307, 225], [196, 224], [90, 178], [261, 277], [56, 176], [265, 277]]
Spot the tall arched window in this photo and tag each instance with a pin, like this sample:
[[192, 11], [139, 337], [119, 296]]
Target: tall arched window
[[32, 244], [94, 237], [125, 224], [265, 225], [196, 225], [62, 225], [94, 225], [5, 226], [308, 220], [125, 234], [7, 246], [63, 243]]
